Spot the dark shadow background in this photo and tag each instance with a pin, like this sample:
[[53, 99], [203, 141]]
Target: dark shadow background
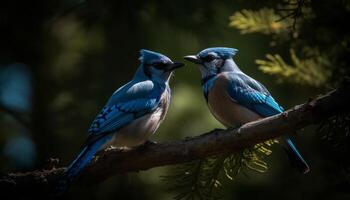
[[61, 60]]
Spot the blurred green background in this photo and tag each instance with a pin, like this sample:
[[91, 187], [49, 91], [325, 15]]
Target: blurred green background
[[61, 60]]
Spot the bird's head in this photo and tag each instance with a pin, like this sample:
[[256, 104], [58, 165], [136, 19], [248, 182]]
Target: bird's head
[[213, 61], [157, 66]]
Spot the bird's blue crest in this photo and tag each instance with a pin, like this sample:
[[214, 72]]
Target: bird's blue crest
[[150, 57], [223, 52]]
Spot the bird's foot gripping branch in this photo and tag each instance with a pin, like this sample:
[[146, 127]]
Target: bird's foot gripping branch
[[217, 142]]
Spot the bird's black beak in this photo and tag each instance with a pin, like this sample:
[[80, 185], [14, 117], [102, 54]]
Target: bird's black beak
[[173, 66], [194, 59]]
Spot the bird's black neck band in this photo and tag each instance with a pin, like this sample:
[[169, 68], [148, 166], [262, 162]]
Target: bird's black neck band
[[206, 79]]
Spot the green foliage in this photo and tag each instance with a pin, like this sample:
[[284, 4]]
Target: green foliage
[[335, 139], [309, 71], [202, 179], [311, 68], [294, 9], [264, 21], [336, 129]]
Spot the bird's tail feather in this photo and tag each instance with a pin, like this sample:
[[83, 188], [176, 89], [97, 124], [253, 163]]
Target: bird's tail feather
[[80, 162], [295, 157]]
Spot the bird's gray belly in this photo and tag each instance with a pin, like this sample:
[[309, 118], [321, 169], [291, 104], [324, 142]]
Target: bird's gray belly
[[138, 131], [225, 109]]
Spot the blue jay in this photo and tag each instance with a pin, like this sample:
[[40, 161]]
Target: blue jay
[[234, 98], [132, 114]]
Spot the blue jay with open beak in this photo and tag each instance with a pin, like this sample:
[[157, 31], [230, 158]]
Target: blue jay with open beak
[[234, 98], [133, 112]]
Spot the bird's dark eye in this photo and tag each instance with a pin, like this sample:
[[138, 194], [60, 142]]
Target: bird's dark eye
[[159, 65], [208, 58]]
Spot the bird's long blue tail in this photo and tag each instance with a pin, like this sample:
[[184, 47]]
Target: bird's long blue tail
[[80, 162], [295, 157]]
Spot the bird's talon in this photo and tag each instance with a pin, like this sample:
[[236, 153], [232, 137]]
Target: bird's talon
[[150, 142], [147, 144], [111, 148]]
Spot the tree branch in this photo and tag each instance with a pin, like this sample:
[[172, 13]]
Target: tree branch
[[114, 161]]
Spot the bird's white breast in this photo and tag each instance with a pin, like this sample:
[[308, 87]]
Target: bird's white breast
[[139, 130], [224, 108]]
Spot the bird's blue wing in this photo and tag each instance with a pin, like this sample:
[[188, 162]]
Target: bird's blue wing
[[245, 92], [109, 119], [254, 96], [127, 104]]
